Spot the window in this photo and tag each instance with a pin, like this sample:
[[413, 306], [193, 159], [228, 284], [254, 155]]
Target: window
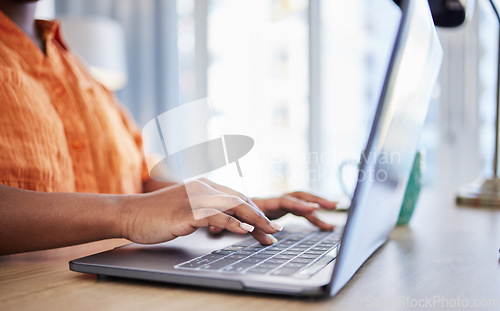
[[258, 79], [357, 40], [302, 77], [259, 69]]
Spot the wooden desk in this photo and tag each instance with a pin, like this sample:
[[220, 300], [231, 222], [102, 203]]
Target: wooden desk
[[447, 256]]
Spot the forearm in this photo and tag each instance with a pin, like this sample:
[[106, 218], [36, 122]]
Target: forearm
[[32, 220]]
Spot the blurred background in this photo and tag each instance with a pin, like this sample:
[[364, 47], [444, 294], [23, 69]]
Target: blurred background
[[302, 77]]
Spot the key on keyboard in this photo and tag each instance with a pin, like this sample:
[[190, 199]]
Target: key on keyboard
[[295, 254]]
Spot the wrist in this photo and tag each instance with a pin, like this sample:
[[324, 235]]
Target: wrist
[[126, 209], [116, 211]]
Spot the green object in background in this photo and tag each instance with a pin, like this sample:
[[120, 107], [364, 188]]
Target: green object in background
[[412, 189]]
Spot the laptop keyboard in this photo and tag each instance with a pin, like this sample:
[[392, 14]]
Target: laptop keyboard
[[297, 254]]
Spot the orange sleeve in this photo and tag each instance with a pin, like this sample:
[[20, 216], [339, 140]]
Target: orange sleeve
[[135, 132]]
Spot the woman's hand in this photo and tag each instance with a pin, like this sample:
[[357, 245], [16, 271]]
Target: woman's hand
[[179, 210], [31, 220], [298, 203]]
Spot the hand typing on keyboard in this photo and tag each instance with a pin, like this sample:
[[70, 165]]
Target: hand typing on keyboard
[[298, 203], [168, 213]]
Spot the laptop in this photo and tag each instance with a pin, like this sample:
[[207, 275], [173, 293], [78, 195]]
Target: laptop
[[305, 262]]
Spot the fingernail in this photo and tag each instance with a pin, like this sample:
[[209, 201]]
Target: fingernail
[[246, 227], [276, 226], [314, 205], [271, 240]]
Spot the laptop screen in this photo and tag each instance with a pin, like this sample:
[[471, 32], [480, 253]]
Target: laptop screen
[[390, 151]]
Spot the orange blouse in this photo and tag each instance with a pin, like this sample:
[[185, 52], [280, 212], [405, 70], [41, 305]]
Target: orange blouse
[[60, 130]]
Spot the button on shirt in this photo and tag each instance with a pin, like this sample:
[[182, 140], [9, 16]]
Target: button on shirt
[[60, 130]]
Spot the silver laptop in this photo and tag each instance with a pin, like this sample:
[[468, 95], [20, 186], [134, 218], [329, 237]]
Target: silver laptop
[[306, 262]]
